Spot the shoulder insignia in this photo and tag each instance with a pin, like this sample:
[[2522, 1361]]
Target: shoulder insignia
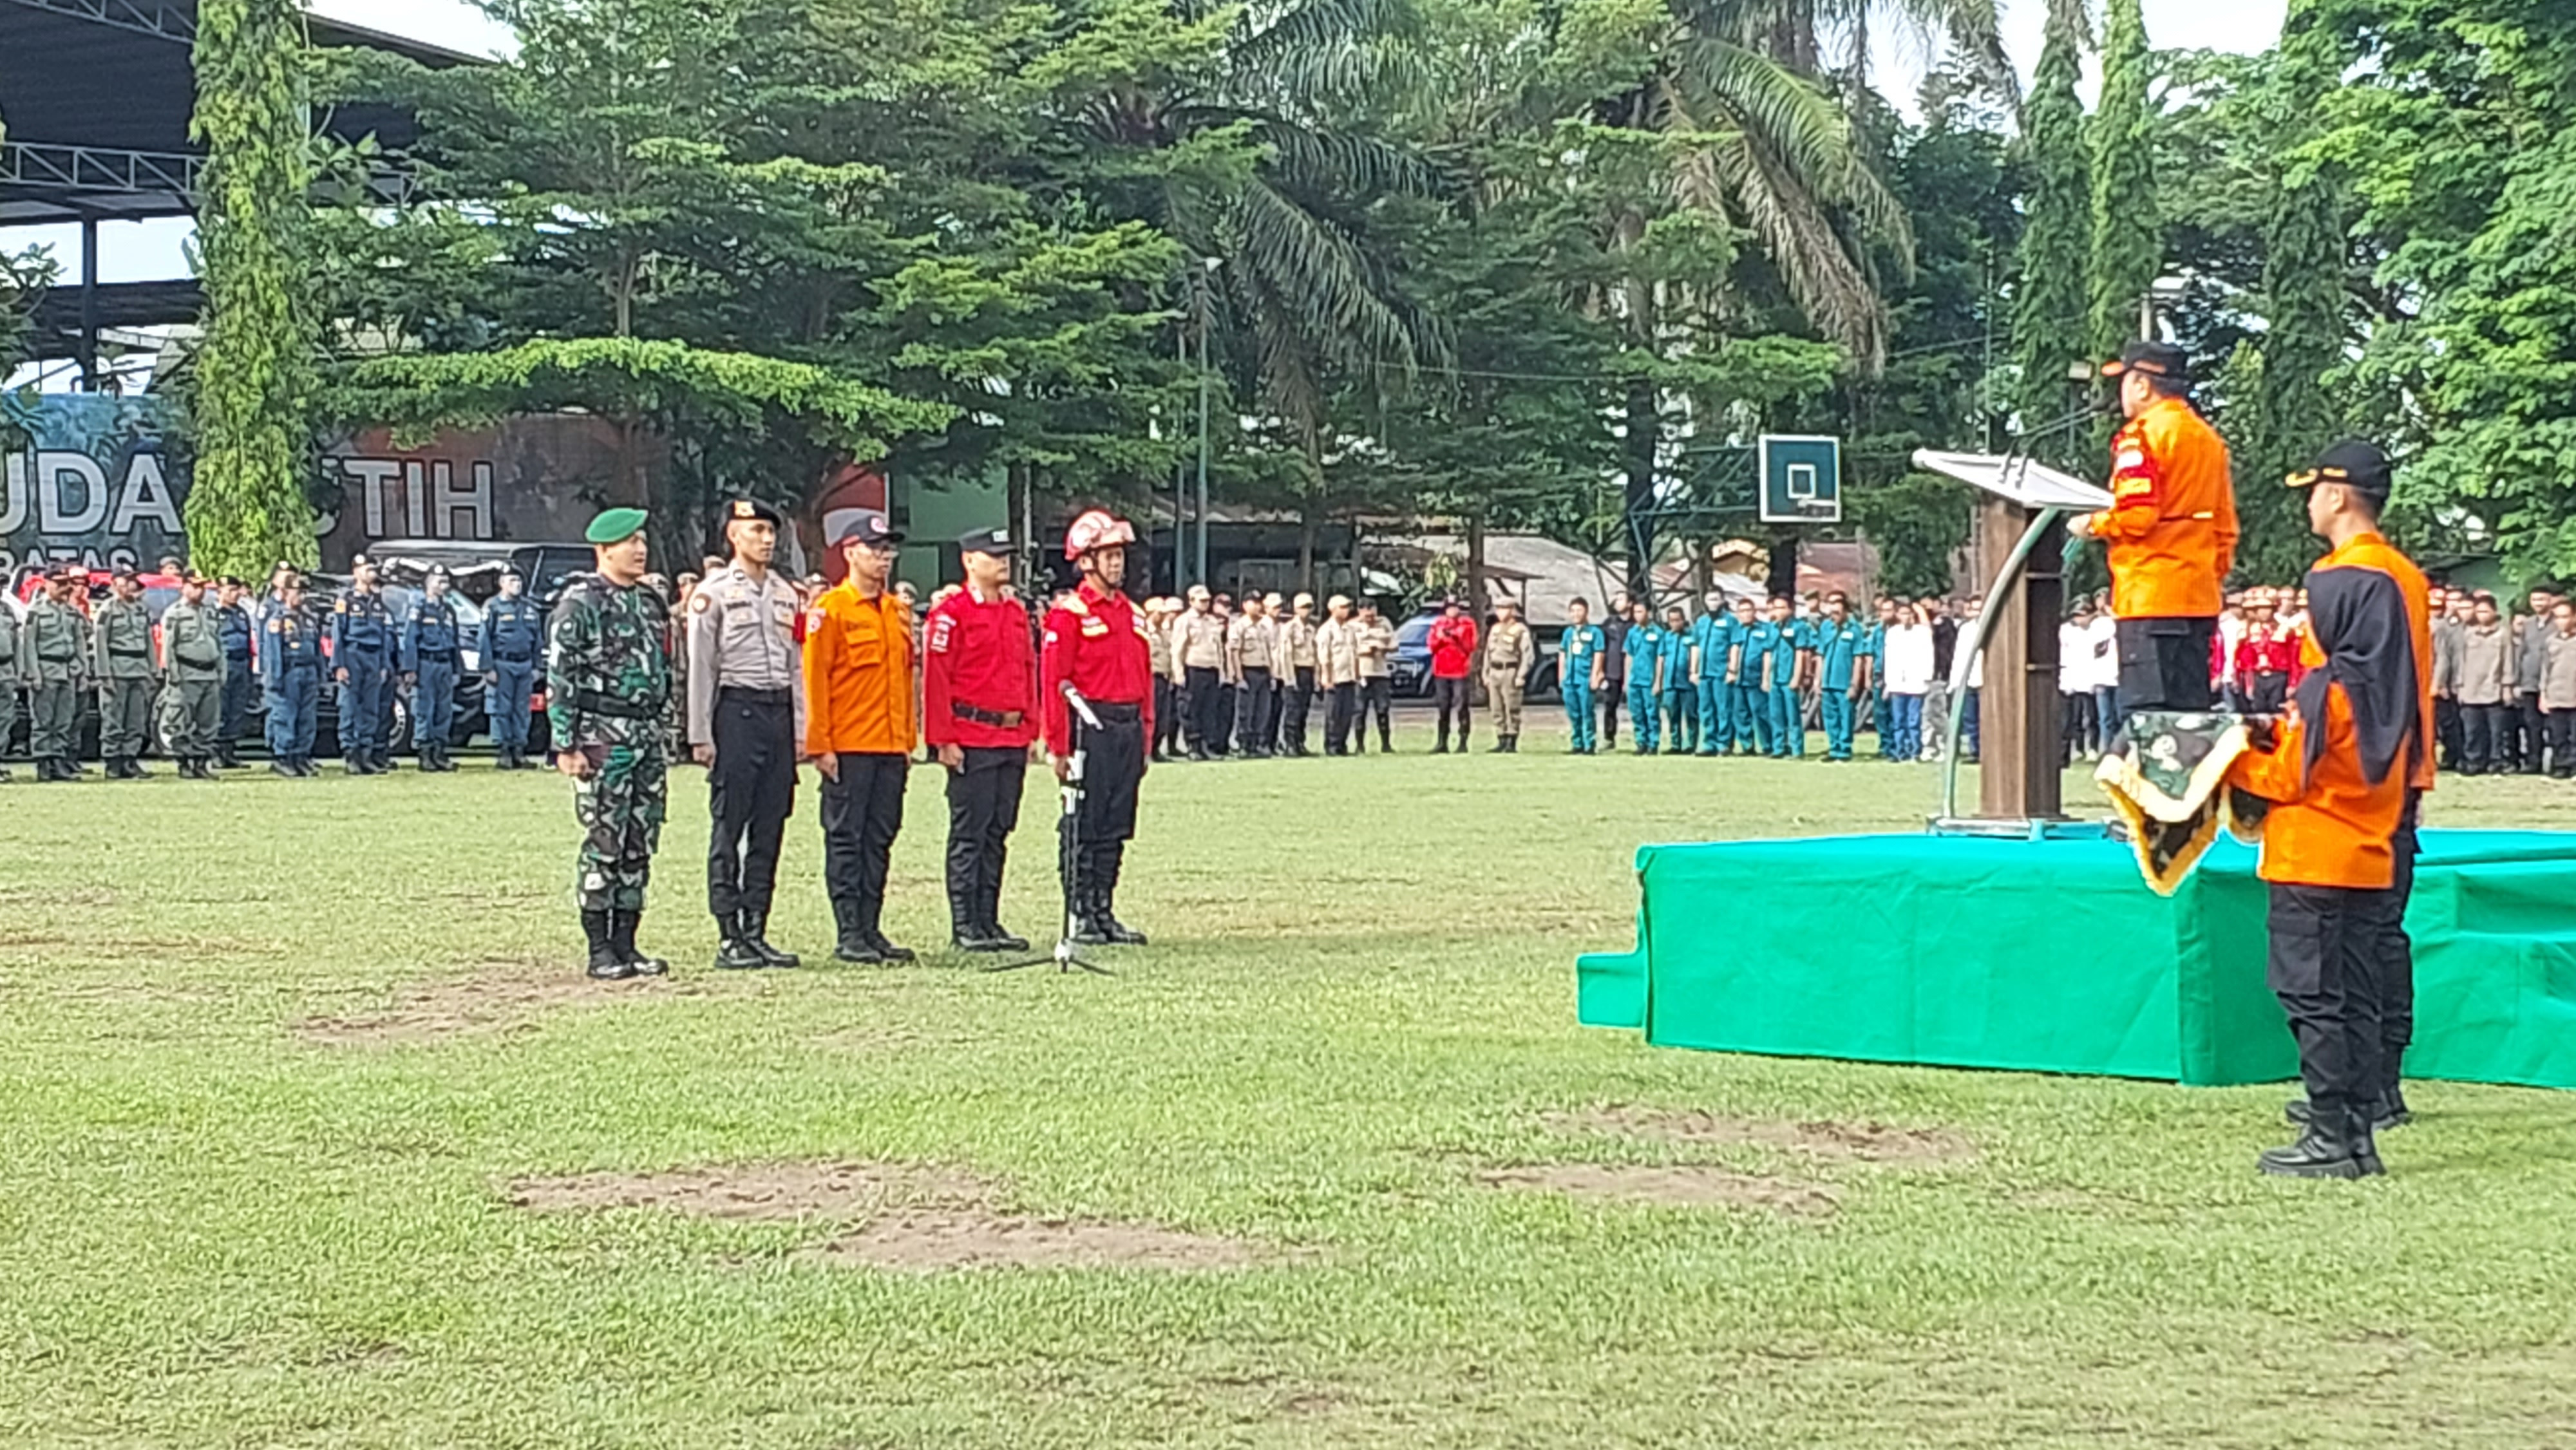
[[276, 626], [940, 627], [700, 602], [1075, 604], [1139, 621], [813, 619], [341, 607]]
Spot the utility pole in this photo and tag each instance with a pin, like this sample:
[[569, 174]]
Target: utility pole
[[1207, 266]]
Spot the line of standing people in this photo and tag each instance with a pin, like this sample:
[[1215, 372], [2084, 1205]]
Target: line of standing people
[[1244, 681]]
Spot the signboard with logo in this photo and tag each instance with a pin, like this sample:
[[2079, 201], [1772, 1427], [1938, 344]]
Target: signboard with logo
[[101, 480]]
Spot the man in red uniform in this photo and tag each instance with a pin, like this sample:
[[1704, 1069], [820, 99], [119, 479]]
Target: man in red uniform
[[2170, 533], [2265, 658], [1453, 649], [1095, 642], [980, 711], [2340, 775]]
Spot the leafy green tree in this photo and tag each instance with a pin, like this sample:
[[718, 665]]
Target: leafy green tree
[[2128, 239], [2052, 303], [252, 394]]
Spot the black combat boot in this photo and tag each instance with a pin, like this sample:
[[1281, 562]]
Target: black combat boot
[[887, 949], [605, 964], [621, 937], [755, 934], [733, 953], [2388, 1110], [226, 758], [1113, 855], [1002, 940], [2334, 1146]]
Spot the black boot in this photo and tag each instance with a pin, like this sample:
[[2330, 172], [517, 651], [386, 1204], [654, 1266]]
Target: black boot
[[1112, 856], [2332, 1147], [605, 964], [1003, 940], [621, 938], [755, 934], [887, 950], [733, 953], [2388, 1110], [226, 758]]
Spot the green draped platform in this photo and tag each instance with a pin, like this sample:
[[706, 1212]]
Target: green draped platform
[[2051, 956]]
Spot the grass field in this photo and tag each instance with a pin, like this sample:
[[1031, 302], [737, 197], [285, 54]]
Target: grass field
[[278, 1058]]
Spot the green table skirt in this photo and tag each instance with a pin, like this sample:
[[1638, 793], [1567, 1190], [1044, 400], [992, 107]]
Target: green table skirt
[[2051, 956]]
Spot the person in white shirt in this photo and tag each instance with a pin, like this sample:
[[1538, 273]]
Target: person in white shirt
[[2103, 663], [1908, 663], [2075, 685]]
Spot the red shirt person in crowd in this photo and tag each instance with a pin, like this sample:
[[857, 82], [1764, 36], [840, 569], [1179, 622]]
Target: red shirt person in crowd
[[979, 669], [2266, 666], [1095, 642], [1453, 651]]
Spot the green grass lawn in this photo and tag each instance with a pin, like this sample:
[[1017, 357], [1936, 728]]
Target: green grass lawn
[[222, 1225]]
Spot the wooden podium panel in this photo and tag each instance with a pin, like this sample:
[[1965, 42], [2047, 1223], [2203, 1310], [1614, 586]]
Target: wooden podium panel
[[2018, 713]]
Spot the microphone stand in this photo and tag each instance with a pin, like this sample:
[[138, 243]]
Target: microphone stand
[[1066, 955]]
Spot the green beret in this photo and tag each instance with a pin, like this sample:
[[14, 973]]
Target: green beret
[[614, 525]]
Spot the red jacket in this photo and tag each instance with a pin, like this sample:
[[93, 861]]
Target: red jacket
[[2267, 649], [1096, 641], [977, 661], [1453, 644]]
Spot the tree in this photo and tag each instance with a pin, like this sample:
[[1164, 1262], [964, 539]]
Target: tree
[[2128, 241], [252, 388], [2052, 305]]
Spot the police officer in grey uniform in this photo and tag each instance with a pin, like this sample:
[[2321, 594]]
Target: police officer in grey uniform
[[9, 676], [192, 673], [53, 645], [126, 677], [747, 727]]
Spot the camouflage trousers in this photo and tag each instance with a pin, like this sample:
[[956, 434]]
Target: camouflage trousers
[[190, 711], [620, 809]]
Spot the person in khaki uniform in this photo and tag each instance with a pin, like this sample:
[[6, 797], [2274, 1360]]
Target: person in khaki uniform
[[1511, 657], [122, 664], [1337, 673], [1199, 641], [1377, 678], [2483, 684], [1298, 677], [1159, 612], [9, 676], [1248, 647], [192, 673]]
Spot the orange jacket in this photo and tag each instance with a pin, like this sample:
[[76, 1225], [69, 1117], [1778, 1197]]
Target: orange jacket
[[2171, 526], [858, 674], [2335, 828]]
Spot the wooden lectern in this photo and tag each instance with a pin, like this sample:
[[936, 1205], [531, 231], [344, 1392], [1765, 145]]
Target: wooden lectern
[[2021, 520]]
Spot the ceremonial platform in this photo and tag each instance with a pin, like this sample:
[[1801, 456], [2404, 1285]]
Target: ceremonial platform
[[2049, 955]]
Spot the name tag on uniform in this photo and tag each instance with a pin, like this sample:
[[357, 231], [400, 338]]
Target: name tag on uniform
[[1093, 626]]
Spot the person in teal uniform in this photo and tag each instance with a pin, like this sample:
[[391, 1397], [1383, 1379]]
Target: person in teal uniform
[[1578, 665], [1645, 673], [1842, 682], [1754, 640], [1680, 697], [1713, 649], [1788, 667]]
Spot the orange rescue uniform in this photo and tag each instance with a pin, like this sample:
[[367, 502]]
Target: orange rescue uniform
[[2171, 527], [858, 674]]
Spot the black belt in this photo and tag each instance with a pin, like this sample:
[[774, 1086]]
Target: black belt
[[515, 659], [1006, 719], [756, 697], [130, 654], [57, 659], [1118, 712], [599, 704]]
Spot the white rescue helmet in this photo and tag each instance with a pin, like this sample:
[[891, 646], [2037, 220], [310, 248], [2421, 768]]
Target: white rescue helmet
[[1098, 529]]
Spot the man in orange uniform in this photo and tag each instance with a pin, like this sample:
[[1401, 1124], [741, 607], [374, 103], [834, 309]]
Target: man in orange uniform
[[1095, 643], [980, 691], [2340, 774], [859, 731], [2171, 533]]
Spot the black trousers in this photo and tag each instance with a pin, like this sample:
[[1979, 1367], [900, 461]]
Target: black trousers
[[1339, 707], [2326, 969], [1252, 711], [2271, 693], [1167, 716], [983, 810], [2483, 734], [1448, 696], [1377, 696], [2562, 743], [1207, 693], [1299, 704], [2164, 663], [862, 812], [2447, 731], [751, 791], [2396, 953], [1607, 697], [2075, 710], [2532, 735]]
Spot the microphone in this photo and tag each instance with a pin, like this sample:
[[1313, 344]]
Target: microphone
[[1081, 706]]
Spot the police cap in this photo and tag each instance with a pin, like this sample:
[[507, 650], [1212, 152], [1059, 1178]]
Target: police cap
[[753, 509], [2351, 462], [996, 542], [2158, 359]]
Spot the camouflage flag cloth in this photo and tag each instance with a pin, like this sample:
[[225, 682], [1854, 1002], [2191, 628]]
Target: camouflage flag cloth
[[608, 683], [2165, 777]]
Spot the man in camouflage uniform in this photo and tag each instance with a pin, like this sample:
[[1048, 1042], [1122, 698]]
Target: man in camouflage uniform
[[192, 673], [123, 667], [608, 686]]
